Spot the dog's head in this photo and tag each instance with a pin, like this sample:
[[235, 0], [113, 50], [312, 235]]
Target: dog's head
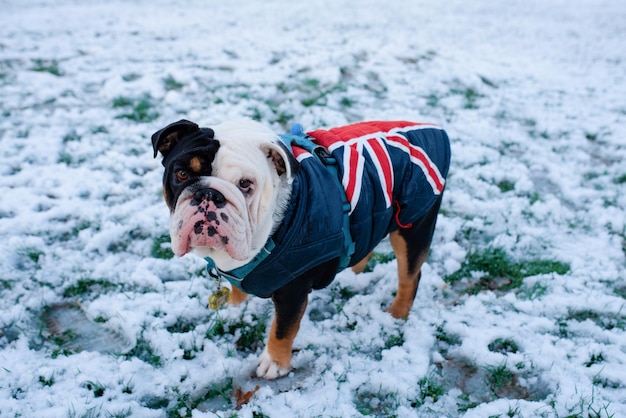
[[226, 186]]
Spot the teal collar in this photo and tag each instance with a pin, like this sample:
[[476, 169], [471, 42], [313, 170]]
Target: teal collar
[[236, 276]]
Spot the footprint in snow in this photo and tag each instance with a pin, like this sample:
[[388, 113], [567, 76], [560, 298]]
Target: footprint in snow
[[73, 330]]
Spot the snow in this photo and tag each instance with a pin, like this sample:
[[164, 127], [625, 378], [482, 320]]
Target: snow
[[532, 96]]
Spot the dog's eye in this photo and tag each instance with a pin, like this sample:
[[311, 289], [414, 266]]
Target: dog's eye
[[182, 175], [245, 184]]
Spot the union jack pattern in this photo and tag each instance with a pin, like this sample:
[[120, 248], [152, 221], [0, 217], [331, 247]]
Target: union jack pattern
[[373, 142]]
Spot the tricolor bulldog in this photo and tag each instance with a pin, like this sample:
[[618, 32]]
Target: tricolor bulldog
[[280, 215]]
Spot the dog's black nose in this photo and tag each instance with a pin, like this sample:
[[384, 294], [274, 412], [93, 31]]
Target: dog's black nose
[[210, 195]]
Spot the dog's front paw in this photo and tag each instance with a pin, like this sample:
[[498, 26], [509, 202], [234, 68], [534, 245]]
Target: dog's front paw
[[268, 368]]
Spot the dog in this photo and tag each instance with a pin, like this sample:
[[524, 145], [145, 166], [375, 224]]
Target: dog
[[280, 215]]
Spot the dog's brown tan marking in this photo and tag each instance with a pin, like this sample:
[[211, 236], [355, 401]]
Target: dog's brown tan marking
[[360, 266], [195, 164], [165, 193], [408, 278], [237, 296]]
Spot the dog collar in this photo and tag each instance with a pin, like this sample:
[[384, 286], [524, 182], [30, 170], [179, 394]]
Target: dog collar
[[236, 276]]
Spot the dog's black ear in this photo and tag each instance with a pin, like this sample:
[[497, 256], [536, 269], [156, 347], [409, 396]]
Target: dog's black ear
[[164, 140]]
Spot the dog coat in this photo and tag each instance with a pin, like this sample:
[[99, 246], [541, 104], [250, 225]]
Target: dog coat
[[392, 173]]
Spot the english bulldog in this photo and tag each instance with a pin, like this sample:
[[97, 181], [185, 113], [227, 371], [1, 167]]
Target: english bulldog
[[280, 215]]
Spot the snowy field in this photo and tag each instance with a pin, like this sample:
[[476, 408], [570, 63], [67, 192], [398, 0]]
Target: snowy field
[[522, 307]]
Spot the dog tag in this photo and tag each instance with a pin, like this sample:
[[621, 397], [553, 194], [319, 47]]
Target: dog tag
[[219, 298]]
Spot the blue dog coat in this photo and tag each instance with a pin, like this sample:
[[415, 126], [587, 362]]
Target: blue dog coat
[[392, 174]]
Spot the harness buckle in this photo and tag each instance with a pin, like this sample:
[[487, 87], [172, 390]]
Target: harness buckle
[[325, 156]]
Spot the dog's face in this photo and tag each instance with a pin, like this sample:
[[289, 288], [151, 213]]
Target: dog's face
[[226, 187]]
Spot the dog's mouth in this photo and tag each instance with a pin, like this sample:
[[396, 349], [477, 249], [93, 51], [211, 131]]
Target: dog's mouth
[[207, 221]]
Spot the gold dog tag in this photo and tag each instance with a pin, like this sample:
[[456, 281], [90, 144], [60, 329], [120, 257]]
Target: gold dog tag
[[219, 298]]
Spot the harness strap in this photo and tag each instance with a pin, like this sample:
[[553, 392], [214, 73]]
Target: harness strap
[[300, 139]]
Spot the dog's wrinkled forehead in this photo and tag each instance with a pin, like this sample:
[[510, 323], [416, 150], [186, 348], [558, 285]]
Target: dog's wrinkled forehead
[[184, 137]]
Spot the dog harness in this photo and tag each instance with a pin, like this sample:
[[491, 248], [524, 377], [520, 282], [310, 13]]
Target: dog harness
[[356, 184]]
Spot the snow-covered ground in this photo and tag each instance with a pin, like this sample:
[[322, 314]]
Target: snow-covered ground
[[96, 319]]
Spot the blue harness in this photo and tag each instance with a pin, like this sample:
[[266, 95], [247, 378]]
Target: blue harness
[[277, 279]]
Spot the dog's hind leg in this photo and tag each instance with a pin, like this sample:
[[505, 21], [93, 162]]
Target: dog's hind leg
[[360, 266], [408, 278], [411, 246]]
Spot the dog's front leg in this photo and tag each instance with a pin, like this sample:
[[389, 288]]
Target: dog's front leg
[[289, 303], [237, 296]]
